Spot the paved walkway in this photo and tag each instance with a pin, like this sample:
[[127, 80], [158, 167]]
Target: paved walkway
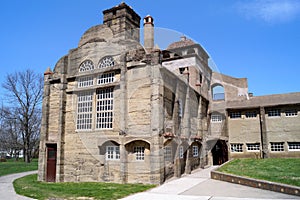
[[199, 186], [7, 191], [196, 186]]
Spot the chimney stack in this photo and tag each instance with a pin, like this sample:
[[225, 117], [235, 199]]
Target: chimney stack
[[148, 33]]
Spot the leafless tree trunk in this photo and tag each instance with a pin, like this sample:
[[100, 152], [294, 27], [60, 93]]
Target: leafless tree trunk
[[24, 96]]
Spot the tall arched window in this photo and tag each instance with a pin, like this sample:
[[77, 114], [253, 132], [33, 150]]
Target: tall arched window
[[218, 93]]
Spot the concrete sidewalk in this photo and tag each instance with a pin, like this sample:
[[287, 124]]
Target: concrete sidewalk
[[196, 186], [7, 191], [199, 186]]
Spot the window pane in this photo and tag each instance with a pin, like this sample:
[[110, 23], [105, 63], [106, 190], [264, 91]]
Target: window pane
[[236, 147], [139, 153], [104, 109], [84, 110]]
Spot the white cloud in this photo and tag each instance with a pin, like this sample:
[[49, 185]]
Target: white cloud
[[271, 11]]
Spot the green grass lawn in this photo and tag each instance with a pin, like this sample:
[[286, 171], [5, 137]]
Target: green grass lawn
[[281, 170], [12, 166], [29, 186]]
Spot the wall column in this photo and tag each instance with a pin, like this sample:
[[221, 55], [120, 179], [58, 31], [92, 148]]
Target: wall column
[[263, 133]]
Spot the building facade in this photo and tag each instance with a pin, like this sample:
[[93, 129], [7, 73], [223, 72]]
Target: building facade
[[118, 111]]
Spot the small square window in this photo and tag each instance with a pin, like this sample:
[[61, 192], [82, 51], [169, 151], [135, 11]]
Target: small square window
[[291, 113], [236, 147], [251, 114], [253, 147], [274, 113], [235, 115], [216, 118], [112, 152], [139, 153], [277, 146], [294, 146]]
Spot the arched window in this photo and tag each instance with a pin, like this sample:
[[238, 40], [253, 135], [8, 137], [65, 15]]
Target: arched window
[[218, 93], [86, 65], [106, 62]]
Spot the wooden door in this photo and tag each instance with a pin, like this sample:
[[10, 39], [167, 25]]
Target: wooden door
[[51, 163]]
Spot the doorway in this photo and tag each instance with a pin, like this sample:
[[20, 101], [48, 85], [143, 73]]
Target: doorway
[[220, 153], [51, 162]]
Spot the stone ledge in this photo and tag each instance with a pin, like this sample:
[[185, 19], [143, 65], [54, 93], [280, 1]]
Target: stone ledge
[[261, 184]]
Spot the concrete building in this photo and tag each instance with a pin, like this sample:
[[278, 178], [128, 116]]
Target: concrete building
[[117, 111]]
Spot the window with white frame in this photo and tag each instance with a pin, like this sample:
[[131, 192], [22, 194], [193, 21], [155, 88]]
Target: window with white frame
[[85, 81], [106, 78], [291, 113], [294, 146], [235, 115], [236, 147], [107, 62], [253, 147], [168, 153], [251, 114], [84, 110], [274, 113], [112, 152], [277, 146], [104, 111], [216, 118], [195, 151], [86, 65], [181, 152], [139, 153]]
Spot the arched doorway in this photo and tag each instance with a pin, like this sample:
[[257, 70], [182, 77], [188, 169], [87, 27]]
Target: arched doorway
[[220, 152]]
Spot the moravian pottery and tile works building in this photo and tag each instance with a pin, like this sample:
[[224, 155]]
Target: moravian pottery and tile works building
[[118, 111]]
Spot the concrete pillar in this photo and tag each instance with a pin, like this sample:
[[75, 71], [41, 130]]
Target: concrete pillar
[[188, 161], [123, 121], [44, 126], [156, 126], [263, 132], [61, 130]]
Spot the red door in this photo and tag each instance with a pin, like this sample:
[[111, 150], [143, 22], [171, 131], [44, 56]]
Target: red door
[[51, 162]]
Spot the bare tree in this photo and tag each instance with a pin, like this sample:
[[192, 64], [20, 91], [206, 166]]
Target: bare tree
[[24, 97], [10, 140]]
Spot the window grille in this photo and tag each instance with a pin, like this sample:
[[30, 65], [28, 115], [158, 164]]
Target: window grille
[[235, 115], [112, 152], [84, 110], [291, 113], [85, 81], [139, 153], [106, 78], [274, 113], [216, 118], [181, 152], [104, 111], [86, 65], [168, 153], [236, 147], [195, 151], [294, 146], [107, 62], [252, 114], [253, 147], [277, 146]]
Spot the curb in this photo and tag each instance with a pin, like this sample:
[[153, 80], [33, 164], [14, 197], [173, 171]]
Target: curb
[[261, 184]]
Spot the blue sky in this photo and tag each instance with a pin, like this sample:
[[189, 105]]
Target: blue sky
[[256, 39]]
